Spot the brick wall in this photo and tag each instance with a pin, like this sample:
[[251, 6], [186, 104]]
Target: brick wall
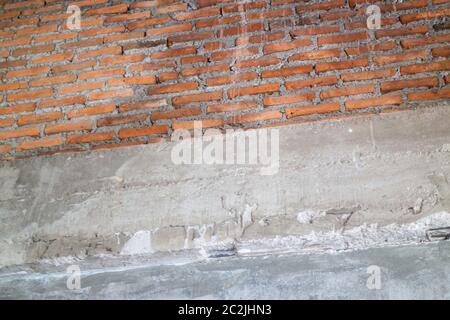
[[137, 70]]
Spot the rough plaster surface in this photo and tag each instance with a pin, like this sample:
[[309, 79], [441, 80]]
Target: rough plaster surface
[[383, 169]]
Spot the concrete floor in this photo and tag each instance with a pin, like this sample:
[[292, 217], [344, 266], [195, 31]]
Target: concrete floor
[[408, 272]]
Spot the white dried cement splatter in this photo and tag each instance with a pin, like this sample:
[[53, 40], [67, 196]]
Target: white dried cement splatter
[[139, 243]]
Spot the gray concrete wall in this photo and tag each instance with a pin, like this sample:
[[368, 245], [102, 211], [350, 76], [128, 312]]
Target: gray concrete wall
[[373, 169]]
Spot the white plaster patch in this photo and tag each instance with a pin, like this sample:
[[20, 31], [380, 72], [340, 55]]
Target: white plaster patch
[[139, 243]]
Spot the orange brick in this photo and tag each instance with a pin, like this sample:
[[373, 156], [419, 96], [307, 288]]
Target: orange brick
[[401, 57], [128, 16], [7, 122], [5, 148], [17, 133], [146, 104], [100, 31], [118, 120], [239, 77], [222, 55], [441, 52], [148, 22], [101, 73], [266, 37], [263, 88], [342, 38], [80, 87], [25, 107], [73, 66], [430, 95], [312, 109], [227, 107], [212, 46], [42, 143], [167, 76], [39, 118], [13, 86], [254, 117], [90, 111], [206, 123], [201, 13], [146, 131], [172, 8], [138, 80], [202, 70], [261, 62], [401, 32], [15, 42], [315, 55], [314, 82], [406, 18], [320, 6], [287, 72], [120, 8], [61, 102], [426, 67], [53, 80], [193, 59], [128, 59], [68, 127], [180, 113], [342, 65], [217, 21], [420, 42], [200, 97], [273, 100], [240, 29], [174, 53], [310, 31], [170, 29], [374, 102], [90, 137], [101, 95], [53, 58], [349, 91], [30, 95], [56, 37], [286, 46], [124, 37], [410, 83], [368, 75], [190, 37], [171, 88], [27, 72], [385, 46]]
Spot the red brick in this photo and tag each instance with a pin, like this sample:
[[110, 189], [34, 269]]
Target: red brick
[[441, 52], [101, 95], [222, 55], [410, 83], [263, 88], [425, 15], [101, 73], [312, 109], [60, 102], [174, 53], [374, 102], [138, 80], [384, 46], [146, 104], [27, 72], [278, 100], [239, 77], [90, 137], [68, 127], [199, 97], [80, 87], [261, 62], [201, 13], [426, 67], [401, 32], [5, 148], [342, 65], [420, 42], [25, 107], [180, 113], [401, 57], [17, 133], [443, 94], [7, 122], [53, 80], [90, 111], [368, 75], [170, 29], [342, 38], [124, 60], [254, 117], [120, 8], [206, 123], [128, 16], [314, 82], [315, 55], [39, 118], [30, 95], [228, 107], [320, 6], [41, 143], [310, 31], [348, 91], [190, 37], [286, 46], [202, 70], [171, 88], [146, 131], [118, 120], [287, 72]]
